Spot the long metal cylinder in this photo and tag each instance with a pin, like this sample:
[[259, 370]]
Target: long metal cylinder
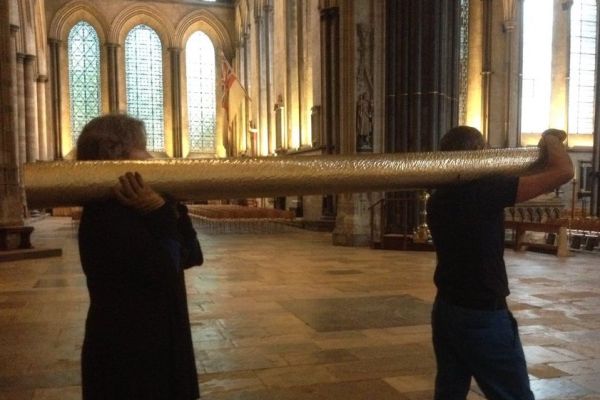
[[51, 184]]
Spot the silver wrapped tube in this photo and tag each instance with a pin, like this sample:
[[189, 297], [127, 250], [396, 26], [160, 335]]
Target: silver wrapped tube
[[68, 183]]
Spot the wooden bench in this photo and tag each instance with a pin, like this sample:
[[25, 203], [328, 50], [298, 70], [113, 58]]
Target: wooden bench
[[520, 228]]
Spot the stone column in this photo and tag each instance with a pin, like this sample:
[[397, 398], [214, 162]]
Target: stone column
[[42, 121], [422, 87], [10, 194], [12, 65], [13, 235], [305, 53], [21, 108], [243, 128], [176, 100], [330, 107], [561, 44], [330, 87], [292, 71], [486, 70], [262, 107], [31, 115], [56, 97], [246, 61], [512, 32], [112, 51], [268, 36]]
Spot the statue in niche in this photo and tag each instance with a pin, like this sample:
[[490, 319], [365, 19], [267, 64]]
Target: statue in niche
[[364, 101], [364, 122]]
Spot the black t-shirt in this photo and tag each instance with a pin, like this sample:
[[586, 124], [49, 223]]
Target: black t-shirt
[[467, 226]]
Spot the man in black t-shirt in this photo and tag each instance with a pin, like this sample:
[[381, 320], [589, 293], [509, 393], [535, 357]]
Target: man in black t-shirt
[[474, 333]]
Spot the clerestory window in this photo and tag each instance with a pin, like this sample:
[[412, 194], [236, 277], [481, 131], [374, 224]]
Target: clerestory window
[[144, 83], [84, 76]]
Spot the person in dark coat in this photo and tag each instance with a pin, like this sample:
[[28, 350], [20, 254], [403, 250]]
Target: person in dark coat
[[134, 249]]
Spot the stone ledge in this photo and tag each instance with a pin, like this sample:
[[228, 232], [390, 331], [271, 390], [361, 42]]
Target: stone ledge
[[26, 254]]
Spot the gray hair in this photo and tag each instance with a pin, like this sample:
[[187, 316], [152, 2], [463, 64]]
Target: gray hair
[[111, 137]]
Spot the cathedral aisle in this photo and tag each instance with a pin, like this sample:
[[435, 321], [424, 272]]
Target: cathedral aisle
[[289, 316]]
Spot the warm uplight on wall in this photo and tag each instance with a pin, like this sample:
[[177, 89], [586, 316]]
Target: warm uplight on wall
[[473, 114], [295, 137]]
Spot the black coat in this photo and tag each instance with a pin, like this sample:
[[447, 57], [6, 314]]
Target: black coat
[[138, 341]]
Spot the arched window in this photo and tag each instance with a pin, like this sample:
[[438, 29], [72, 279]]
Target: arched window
[[84, 76], [201, 86], [144, 82], [582, 66], [537, 64]]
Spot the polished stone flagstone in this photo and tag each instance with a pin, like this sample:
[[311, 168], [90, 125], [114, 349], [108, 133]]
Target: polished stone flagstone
[[288, 316]]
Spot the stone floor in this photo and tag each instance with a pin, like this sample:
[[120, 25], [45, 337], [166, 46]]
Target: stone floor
[[289, 316]]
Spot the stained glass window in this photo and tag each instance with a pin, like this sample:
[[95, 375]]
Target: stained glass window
[[84, 75], [537, 64], [201, 95], [463, 60], [144, 81], [582, 66]]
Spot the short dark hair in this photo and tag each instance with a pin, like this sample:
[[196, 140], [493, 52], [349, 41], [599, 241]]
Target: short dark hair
[[111, 137], [462, 137]]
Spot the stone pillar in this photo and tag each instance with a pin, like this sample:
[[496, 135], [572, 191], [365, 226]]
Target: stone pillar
[[268, 37], [56, 97], [475, 67], [42, 121], [561, 44], [10, 195], [422, 87], [112, 51], [486, 70], [13, 234], [263, 107], [242, 130], [246, 61], [292, 71], [31, 115], [512, 32], [13, 97], [21, 108], [352, 225], [330, 107], [305, 53], [176, 100]]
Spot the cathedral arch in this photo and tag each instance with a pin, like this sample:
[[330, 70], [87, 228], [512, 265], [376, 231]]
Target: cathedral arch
[[61, 25], [122, 25]]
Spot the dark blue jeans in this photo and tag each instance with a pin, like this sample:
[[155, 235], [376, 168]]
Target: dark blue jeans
[[480, 344]]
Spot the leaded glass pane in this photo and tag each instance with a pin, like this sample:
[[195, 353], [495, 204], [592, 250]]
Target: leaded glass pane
[[537, 64], [84, 76], [144, 80], [463, 60], [200, 67], [582, 66]]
